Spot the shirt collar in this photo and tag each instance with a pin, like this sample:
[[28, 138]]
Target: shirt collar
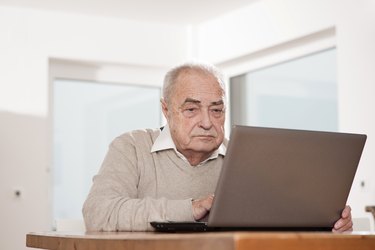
[[164, 141]]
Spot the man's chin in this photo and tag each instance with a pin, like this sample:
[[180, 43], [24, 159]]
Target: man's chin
[[207, 147]]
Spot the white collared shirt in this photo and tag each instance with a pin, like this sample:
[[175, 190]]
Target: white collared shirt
[[164, 141]]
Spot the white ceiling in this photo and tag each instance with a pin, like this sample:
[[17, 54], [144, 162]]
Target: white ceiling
[[171, 11]]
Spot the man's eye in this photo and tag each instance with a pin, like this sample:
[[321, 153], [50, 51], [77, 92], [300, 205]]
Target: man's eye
[[191, 109], [217, 111], [190, 112]]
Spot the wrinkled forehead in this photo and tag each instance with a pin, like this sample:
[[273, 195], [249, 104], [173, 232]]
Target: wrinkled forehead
[[198, 91], [197, 80]]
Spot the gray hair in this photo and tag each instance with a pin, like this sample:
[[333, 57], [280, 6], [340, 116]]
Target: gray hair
[[170, 78]]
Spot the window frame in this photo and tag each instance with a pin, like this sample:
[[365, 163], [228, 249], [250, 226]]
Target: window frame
[[97, 72], [279, 53]]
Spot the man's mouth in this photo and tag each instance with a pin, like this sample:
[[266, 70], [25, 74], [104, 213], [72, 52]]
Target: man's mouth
[[204, 136]]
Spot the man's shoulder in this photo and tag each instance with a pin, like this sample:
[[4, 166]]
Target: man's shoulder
[[139, 136]]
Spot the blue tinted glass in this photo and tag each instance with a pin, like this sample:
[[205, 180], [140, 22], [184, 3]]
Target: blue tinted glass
[[300, 94], [87, 116]]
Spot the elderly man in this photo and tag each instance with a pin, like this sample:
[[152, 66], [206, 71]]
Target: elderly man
[[169, 173]]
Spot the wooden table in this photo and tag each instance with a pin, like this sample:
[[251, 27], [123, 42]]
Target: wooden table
[[205, 241]]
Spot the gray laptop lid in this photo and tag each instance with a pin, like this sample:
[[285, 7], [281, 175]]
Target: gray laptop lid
[[285, 178]]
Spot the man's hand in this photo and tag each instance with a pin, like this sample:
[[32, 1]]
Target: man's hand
[[345, 223], [202, 206]]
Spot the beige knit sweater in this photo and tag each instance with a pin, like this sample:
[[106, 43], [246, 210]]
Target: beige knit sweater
[[135, 186]]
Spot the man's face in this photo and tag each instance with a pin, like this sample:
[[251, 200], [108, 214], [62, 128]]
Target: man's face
[[196, 113]]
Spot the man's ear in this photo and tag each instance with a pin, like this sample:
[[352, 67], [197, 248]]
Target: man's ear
[[164, 107]]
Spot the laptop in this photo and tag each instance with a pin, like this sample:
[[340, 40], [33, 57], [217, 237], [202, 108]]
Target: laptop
[[280, 179]]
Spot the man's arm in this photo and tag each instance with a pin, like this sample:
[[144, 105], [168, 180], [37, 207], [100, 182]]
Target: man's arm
[[113, 203], [202, 206]]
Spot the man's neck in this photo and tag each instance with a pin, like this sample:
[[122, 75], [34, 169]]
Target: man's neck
[[195, 158]]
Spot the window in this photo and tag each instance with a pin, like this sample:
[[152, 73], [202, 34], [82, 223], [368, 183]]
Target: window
[[87, 116], [300, 93]]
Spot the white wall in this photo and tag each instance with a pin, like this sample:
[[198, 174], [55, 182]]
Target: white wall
[[356, 76], [28, 39], [261, 25], [268, 26]]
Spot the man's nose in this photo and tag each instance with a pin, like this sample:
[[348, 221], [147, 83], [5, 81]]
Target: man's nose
[[205, 120]]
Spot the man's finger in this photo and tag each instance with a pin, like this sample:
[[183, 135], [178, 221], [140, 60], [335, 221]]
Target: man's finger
[[346, 212], [348, 227]]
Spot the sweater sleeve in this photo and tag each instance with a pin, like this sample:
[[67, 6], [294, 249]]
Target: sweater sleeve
[[112, 203]]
